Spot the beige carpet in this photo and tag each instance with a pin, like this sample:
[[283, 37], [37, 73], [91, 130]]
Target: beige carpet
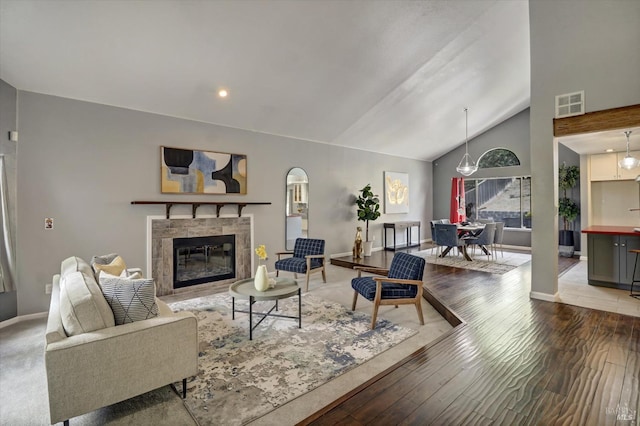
[[498, 265]]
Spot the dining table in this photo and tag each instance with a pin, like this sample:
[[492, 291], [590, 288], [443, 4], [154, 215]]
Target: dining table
[[468, 229]]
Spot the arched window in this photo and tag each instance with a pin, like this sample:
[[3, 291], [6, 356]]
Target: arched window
[[498, 157]]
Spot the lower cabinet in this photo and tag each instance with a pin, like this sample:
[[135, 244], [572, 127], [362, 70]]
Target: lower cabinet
[[610, 261]]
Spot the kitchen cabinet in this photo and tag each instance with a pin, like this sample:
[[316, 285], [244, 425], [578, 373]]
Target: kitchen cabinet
[[609, 261], [605, 167]]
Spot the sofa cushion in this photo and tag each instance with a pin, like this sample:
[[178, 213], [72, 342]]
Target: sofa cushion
[[111, 264], [83, 308], [130, 300], [74, 264]]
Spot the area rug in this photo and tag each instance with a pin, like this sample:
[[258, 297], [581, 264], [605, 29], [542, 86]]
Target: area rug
[[501, 265], [240, 380]]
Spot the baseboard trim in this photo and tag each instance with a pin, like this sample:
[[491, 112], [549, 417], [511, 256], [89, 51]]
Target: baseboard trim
[[20, 318], [543, 296]]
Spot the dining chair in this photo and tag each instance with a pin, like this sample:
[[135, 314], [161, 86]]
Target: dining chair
[[497, 239], [433, 235], [401, 284], [484, 239], [447, 236]]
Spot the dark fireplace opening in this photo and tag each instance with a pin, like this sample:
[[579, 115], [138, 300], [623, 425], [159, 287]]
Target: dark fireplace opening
[[200, 260]]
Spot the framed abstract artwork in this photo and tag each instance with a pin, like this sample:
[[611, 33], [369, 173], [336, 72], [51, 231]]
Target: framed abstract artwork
[[396, 192], [190, 171]]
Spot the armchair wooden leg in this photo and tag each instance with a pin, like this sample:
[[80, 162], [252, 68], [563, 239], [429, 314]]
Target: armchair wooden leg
[[324, 274], [375, 316], [277, 272], [355, 299], [419, 309]]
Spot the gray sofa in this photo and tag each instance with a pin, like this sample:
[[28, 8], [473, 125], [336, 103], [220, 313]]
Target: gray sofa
[[92, 363]]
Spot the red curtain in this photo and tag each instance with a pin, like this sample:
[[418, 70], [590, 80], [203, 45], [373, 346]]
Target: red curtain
[[457, 213]]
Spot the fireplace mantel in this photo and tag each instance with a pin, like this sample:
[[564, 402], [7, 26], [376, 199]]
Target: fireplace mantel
[[196, 204]]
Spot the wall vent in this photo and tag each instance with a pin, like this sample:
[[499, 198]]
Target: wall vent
[[570, 104]]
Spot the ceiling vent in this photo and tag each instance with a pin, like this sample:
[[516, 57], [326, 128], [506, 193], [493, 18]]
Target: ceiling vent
[[570, 104]]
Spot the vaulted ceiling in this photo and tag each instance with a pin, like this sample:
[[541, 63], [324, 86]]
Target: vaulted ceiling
[[385, 76]]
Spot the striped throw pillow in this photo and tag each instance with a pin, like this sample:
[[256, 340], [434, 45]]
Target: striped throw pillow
[[130, 300]]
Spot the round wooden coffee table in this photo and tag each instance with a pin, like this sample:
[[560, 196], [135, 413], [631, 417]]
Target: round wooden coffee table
[[245, 289]]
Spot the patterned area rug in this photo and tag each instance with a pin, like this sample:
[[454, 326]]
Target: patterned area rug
[[240, 380], [501, 265]]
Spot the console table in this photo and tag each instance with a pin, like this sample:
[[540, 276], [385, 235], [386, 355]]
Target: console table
[[401, 226]]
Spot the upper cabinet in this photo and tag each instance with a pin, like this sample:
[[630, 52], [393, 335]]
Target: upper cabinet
[[605, 166]]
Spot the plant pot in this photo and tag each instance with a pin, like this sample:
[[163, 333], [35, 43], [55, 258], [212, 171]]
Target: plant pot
[[367, 246], [566, 243]]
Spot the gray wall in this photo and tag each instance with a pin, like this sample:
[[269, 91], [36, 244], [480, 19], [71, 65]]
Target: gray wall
[[575, 45], [83, 163], [8, 122], [512, 134]]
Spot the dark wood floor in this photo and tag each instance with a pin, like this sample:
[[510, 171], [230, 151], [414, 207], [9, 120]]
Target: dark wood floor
[[512, 360]]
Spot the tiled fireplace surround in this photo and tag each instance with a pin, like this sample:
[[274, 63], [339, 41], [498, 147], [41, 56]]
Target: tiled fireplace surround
[[163, 231]]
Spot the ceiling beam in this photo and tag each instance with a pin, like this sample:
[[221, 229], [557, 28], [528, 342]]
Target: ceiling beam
[[598, 121]]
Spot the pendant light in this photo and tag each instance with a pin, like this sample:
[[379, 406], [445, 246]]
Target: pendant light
[[467, 166], [628, 162]]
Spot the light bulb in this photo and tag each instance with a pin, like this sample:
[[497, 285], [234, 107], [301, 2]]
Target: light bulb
[[629, 162], [467, 166]]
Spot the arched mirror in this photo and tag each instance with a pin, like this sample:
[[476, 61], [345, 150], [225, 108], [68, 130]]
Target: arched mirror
[[297, 211]]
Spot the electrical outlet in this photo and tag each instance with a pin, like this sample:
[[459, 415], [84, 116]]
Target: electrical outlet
[[47, 288]]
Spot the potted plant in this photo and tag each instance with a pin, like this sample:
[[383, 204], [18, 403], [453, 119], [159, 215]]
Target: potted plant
[[568, 209], [368, 209]]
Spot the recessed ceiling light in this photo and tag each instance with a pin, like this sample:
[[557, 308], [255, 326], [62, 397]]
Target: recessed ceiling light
[[608, 150], [223, 93]]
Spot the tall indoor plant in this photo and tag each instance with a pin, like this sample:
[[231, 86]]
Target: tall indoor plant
[[568, 209], [368, 209]]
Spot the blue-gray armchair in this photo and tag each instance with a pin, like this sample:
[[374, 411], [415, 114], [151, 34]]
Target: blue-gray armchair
[[306, 258], [401, 284]]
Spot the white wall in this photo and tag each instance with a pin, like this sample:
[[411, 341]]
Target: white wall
[[610, 203], [575, 45], [83, 163]]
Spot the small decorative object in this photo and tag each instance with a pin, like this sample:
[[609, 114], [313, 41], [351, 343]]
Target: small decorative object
[[261, 280], [357, 244]]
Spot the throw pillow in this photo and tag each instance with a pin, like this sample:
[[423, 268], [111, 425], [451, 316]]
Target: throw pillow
[[115, 266], [130, 300], [124, 275]]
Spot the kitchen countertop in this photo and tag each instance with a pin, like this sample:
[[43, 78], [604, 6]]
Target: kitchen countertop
[[611, 230]]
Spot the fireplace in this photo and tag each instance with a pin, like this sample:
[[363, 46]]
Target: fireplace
[[200, 260], [163, 234]]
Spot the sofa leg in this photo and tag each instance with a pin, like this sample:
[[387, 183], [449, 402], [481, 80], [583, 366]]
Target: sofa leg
[[184, 388], [66, 423]]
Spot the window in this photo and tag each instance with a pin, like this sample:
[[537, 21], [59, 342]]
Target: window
[[505, 200], [498, 157]]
